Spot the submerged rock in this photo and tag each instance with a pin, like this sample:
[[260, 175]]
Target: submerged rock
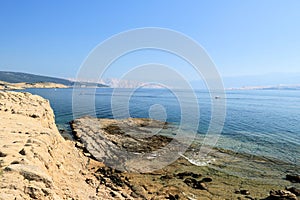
[[195, 184], [294, 178], [185, 174]]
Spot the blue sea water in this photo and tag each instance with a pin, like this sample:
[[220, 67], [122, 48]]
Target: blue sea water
[[258, 122]]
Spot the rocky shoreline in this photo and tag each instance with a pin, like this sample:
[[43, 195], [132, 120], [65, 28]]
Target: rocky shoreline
[[177, 180], [22, 86], [37, 163]]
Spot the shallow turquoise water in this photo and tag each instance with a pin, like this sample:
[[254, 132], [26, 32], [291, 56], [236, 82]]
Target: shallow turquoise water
[[259, 122]]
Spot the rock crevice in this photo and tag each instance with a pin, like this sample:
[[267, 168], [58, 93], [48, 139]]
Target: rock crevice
[[35, 161]]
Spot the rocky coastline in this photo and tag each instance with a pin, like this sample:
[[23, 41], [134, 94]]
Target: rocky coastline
[[37, 163], [106, 140], [22, 86]]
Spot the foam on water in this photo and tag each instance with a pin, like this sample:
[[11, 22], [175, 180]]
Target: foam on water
[[200, 161]]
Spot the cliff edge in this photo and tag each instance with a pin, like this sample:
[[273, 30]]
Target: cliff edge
[[35, 161]]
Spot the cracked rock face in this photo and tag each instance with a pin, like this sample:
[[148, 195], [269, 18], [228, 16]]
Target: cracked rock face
[[129, 144], [35, 161]]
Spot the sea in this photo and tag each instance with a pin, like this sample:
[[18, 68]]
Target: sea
[[264, 123]]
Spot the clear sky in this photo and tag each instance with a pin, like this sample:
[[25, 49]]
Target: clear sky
[[247, 37]]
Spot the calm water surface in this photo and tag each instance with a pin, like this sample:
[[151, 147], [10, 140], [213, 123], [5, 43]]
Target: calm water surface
[[259, 122]]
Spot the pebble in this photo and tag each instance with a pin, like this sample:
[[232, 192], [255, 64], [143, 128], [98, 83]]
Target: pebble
[[242, 191]]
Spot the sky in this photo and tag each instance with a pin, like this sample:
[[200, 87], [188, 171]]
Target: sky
[[243, 38]]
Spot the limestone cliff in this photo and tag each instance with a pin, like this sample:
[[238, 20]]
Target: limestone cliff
[[20, 86], [35, 161]]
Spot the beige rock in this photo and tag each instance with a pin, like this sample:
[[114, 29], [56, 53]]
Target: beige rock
[[20, 86], [9, 86], [282, 195], [41, 85], [35, 161]]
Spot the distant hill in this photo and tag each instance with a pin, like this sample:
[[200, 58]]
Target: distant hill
[[19, 77], [274, 80], [120, 83], [273, 87]]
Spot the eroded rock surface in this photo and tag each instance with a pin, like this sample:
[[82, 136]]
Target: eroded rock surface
[[129, 144], [35, 161], [20, 86], [281, 195], [135, 145]]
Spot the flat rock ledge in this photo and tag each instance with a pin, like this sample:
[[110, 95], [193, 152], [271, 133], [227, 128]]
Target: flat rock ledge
[[141, 161], [132, 144]]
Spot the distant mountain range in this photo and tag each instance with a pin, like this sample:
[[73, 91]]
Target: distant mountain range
[[265, 80], [283, 81], [262, 82], [120, 83], [19, 77], [271, 87]]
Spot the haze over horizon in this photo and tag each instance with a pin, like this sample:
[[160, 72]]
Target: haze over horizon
[[250, 42]]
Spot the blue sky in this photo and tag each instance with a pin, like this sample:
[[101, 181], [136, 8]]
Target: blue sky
[[250, 37]]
